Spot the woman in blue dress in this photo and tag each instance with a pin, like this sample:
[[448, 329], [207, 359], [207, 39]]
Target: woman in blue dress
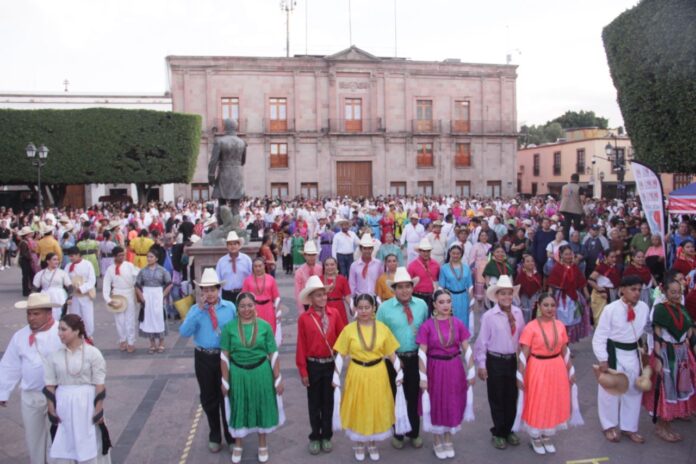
[[455, 276], [372, 220]]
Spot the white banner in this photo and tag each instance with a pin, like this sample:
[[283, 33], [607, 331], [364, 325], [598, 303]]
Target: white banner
[[649, 188]]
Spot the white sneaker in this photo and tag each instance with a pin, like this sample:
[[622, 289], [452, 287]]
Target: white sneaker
[[373, 452], [449, 449], [2, 268], [359, 453], [537, 445], [440, 451], [548, 445]]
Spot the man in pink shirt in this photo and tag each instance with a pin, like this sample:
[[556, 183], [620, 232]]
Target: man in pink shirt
[[364, 272], [427, 271], [308, 269], [495, 354]]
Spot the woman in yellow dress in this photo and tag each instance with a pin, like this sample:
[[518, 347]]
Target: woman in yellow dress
[[399, 221], [367, 407]]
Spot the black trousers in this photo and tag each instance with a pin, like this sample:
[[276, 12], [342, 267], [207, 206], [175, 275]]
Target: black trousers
[[27, 276], [428, 298], [569, 218], [411, 391], [502, 394], [209, 375], [344, 262], [230, 295], [320, 400]]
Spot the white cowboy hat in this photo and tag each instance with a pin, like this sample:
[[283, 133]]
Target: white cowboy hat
[[310, 248], [424, 245], [209, 278], [366, 241], [313, 283], [37, 301], [503, 282], [342, 220], [35, 219], [233, 237], [437, 223], [194, 238], [209, 222], [46, 230], [614, 382], [26, 230], [64, 219], [118, 304], [113, 225], [414, 216], [514, 202], [400, 276], [50, 217]]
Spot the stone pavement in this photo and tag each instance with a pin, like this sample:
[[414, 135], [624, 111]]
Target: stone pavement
[[154, 416]]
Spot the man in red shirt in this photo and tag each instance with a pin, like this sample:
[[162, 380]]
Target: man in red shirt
[[427, 271], [317, 331]]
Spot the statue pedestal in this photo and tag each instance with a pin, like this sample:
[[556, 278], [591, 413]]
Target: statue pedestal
[[205, 256]]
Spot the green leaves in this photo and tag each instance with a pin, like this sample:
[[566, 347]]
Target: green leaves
[[100, 145], [651, 50]]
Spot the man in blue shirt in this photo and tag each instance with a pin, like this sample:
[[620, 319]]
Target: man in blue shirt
[[233, 268], [404, 314], [204, 322]]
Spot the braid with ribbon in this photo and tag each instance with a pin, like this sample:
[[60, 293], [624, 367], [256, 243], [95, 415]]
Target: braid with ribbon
[[336, 382], [275, 366], [470, 377], [401, 425]]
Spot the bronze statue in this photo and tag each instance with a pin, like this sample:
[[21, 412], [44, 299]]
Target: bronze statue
[[227, 161]]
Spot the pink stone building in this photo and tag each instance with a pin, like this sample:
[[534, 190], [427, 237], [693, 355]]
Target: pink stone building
[[355, 124]]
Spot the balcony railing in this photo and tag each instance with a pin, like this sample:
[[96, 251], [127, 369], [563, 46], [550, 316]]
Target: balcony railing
[[426, 126], [355, 126], [278, 126], [460, 126]]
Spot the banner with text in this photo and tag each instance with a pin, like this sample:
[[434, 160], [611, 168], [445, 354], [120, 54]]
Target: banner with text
[[649, 188]]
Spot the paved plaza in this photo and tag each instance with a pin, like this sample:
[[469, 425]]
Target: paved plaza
[[153, 412]]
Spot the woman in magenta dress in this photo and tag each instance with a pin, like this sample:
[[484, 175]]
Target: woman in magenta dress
[[442, 339], [338, 291], [569, 287], [265, 290]]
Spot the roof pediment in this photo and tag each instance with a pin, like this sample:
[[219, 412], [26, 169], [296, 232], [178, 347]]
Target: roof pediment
[[352, 53]]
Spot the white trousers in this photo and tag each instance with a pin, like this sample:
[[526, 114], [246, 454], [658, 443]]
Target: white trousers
[[36, 426], [83, 307], [125, 321], [622, 411]]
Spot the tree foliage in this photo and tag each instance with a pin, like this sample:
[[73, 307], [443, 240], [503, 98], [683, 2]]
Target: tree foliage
[[651, 50], [100, 145], [555, 129], [581, 119]]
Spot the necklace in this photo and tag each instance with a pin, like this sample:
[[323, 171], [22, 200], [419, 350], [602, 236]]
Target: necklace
[[450, 338], [82, 362], [372, 340], [461, 268], [256, 284], [242, 335], [552, 348]]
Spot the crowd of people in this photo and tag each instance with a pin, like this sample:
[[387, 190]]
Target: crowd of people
[[417, 298]]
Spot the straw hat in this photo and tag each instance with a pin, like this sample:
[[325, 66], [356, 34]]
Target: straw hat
[[310, 248], [118, 304], [424, 245], [613, 381], [209, 278], [402, 276], [437, 223], [45, 230], [26, 230], [233, 237], [366, 241], [342, 220], [64, 219], [502, 283], [37, 301], [113, 225], [209, 222], [414, 216], [313, 283]]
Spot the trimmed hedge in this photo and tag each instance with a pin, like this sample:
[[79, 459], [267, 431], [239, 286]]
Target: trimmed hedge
[[100, 145], [651, 50]]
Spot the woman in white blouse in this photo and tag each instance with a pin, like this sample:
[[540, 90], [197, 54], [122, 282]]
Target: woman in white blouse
[[75, 376], [53, 281]]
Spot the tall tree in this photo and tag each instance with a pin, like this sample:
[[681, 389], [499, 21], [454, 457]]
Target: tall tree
[[651, 50], [581, 119]]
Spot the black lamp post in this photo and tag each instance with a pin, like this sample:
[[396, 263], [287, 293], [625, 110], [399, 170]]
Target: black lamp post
[[39, 163], [618, 162]]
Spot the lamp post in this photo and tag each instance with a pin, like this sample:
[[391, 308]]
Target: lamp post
[[39, 163], [618, 161], [601, 180], [288, 6]]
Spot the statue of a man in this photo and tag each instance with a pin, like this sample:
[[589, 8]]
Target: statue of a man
[[229, 155]]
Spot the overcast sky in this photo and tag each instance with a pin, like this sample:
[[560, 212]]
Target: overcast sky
[[119, 46]]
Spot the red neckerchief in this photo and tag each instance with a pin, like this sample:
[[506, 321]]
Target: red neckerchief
[[631, 313], [364, 271], [679, 324], [43, 328], [118, 269], [501, 270], [213, 316], [72, 265]]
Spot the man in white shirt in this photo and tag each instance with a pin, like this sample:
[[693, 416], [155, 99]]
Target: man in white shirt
[[439, 242], [344, 245], [615, 344], [411, 236], [119, 279], [81, 273], [23, 362]]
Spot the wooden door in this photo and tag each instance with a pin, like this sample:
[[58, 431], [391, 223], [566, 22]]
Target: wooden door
[[75, 196], [354, 178]]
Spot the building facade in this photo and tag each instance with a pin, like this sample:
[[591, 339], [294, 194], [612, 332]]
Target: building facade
[[355, 124], [544, 169], [79, 196]]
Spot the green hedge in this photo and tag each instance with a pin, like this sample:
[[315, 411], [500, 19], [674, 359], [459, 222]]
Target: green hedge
[[651, 50], [100, 145]]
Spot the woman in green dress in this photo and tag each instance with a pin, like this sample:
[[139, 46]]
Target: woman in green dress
[[297, 243], [251, 380], [89, 249]]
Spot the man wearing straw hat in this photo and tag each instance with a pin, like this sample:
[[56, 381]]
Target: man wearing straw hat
[[318, 329], [343, 246], [364, 273], [615, 344], [204, 322], [233, 268], [428, 272], [23, 362], [411, 236], [303, 273], [119, 294], [404, 314], [495, 354], [48, 244], [81, 273]]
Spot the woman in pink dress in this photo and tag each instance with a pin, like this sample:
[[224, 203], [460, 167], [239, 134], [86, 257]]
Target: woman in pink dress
[[265, 290]]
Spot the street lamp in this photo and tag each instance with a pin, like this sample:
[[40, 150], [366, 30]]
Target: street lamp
[[618, 162], [601, 180], [288, 6], [39, 163]]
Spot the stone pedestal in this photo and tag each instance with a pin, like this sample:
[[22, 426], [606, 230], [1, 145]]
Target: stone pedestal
[[205, 256]]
